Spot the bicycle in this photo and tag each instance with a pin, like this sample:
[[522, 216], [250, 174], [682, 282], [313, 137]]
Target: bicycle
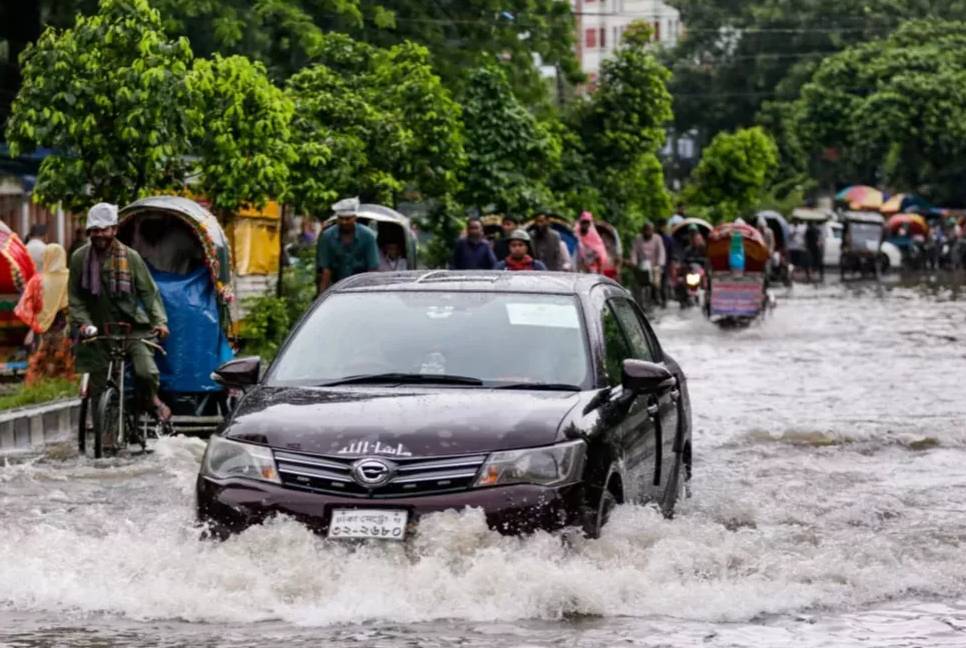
[[111, 412]]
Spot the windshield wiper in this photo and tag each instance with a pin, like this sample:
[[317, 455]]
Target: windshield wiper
[[540, 386], [405, 378]]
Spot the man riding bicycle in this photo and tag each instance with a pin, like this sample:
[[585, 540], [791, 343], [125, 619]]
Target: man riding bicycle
[[110, 284]]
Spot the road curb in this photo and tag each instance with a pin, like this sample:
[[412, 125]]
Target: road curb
[[26, 428]]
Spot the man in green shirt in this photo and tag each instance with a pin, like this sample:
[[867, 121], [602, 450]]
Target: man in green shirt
[[345, 250], [110, 283]]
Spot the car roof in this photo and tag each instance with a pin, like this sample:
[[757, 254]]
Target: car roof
[[560, 283]]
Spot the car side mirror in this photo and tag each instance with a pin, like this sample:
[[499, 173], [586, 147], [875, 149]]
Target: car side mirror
[[238, 373], [642, 376]]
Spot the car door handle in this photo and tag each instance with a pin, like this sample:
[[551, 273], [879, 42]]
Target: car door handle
[[652, 410]]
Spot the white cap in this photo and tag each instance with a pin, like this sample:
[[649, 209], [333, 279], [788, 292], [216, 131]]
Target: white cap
[[346, 206], [102, 215], [677, 218]]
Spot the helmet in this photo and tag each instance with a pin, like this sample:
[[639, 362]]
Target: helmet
[[519, 235]]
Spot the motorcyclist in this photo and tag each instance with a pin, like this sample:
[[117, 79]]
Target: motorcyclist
[[110, 283], [696, 247]]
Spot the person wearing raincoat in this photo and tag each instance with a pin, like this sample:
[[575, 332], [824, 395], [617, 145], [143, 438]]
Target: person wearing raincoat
[[592, 255], [43, 307]]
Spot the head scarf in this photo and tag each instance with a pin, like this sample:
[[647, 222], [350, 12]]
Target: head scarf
[[592, 243], [46, 293]]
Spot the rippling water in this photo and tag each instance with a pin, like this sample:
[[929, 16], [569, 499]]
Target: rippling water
[[829, 509]]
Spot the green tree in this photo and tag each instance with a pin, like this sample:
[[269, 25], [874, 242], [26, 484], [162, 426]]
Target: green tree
[[373, 122], [286, 35], [738, 54], [108, 96], [241, 133], [891, 111], [613, 161], [509, 151], [733, 174]]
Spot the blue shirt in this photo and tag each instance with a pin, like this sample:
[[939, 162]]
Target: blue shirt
[[361, 255], [473, 255]]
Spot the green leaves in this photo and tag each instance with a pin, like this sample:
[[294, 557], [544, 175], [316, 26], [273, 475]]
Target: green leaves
[[102, 95], [734, 172], [373, 122], [509, 152], [241, 132], [893, 111]]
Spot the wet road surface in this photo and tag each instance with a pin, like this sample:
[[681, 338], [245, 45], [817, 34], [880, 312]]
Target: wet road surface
[[829, 509]]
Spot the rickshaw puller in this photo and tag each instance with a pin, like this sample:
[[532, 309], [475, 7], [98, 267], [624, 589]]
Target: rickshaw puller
[[110, 283]]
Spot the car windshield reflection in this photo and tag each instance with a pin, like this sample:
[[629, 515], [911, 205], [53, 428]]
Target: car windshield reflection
[[463, 339]]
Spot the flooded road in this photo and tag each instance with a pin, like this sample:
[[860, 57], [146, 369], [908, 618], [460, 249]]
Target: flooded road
[[828, 509]]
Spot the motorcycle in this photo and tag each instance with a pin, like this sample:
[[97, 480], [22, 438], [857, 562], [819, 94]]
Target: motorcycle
[[690, 284]]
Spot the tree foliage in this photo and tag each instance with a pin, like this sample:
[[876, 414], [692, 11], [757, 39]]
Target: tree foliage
[[892, 111], [733, 174], [286, 35], [108, 96], [610, 164], [373, 122], [509, 151], [739, 54], [241, 132]]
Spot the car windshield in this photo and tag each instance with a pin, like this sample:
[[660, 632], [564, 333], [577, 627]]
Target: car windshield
[[497, 338]]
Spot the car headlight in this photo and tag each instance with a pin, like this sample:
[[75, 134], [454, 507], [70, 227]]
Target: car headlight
[[549, 466], [693, 279], [225, 459]]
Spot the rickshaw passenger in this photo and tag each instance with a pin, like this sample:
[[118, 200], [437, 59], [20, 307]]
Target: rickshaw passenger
[[391, 258], [110, 283], [345, 250]]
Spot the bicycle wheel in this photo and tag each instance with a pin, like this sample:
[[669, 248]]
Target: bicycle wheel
[[82, 427], [107, 415]]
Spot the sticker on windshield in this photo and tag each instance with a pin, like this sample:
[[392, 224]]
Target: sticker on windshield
[[548, 315]]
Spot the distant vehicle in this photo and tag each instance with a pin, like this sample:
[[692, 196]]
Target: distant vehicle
[[543, 398], [832, 229], [861, 240]]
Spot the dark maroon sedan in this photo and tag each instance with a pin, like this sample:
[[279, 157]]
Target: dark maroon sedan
[[542, 398]]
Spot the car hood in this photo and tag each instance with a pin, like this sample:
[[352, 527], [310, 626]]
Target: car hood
[[400, 421]]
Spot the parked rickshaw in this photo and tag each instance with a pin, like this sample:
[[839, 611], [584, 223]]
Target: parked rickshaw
[[737, 296], [862, 234], [189, 258], [390, 227], [16, 269]]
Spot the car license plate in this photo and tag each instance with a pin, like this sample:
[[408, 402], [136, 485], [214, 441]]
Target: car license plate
[[384, 524]]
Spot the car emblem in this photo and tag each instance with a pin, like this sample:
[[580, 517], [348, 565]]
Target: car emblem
[[373, 472]]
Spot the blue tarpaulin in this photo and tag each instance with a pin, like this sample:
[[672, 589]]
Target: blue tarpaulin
[[197, 345]]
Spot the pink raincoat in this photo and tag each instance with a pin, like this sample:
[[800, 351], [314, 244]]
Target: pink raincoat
[[592, 253]]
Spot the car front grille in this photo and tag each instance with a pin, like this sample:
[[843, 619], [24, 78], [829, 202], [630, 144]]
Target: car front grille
[[332, 474]]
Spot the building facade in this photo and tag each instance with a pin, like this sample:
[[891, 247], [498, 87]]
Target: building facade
[[601, 25]]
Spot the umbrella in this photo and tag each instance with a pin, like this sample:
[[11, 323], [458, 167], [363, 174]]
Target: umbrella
[[860, 197], [915, 223], [904, 203]]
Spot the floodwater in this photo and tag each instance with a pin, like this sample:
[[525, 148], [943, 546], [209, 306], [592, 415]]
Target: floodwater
[[828, 509]]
